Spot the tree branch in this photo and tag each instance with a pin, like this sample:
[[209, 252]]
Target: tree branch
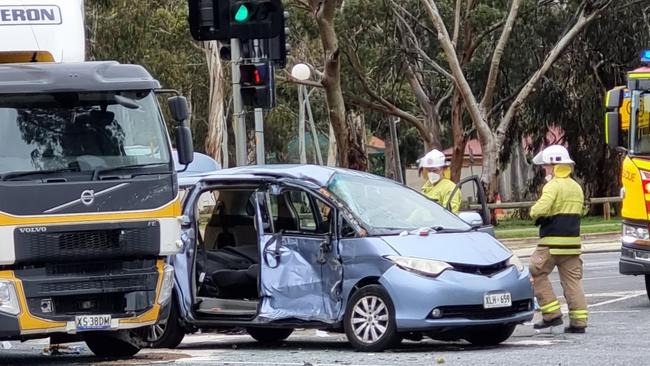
[[582, 22], [390, 110], [456, 31], [478, 40], [488, 94]]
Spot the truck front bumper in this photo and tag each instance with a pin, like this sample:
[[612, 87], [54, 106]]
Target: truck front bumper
[[26, 323]]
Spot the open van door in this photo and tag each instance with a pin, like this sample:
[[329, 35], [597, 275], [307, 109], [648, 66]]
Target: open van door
[[479, 219]]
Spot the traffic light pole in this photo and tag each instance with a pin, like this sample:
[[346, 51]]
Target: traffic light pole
[[241, 154], [259, 136]]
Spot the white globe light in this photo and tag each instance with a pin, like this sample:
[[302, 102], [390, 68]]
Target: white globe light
[[301, 72]]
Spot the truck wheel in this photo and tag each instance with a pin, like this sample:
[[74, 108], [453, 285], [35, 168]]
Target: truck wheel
[[369, 320], [490, 335], [111, 344], [269, 335], [647, 285], [165, 335]]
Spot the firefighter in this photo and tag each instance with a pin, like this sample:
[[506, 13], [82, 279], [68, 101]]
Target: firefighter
[[437, 187], [558, 212]]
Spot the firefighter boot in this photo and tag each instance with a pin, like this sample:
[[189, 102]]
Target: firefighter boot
[[543, 324]]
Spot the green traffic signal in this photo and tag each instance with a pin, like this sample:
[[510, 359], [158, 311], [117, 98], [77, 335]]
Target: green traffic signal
[[242, 14]]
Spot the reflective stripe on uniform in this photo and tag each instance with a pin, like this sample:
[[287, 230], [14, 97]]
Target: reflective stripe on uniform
[[551, 307], [560, 240], [578, 314], [563, 251]]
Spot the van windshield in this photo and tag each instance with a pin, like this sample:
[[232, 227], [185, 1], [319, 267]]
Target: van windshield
[[385, 205], [78, 132]]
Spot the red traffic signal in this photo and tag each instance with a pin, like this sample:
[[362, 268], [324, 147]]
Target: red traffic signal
[[256, 85]]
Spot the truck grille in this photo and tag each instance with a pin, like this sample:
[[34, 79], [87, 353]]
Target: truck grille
[[78, 242], [127, 289]]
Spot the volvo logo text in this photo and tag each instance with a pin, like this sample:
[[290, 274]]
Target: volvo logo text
[[88, 197], [37, 229]]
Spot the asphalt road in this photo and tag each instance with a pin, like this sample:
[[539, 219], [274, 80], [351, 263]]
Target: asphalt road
[[617, 335]]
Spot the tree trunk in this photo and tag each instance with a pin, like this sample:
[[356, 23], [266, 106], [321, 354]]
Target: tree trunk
[[331, 151], [216, 117], [458, 136], [357, 156], [349, 144], [389, 159]]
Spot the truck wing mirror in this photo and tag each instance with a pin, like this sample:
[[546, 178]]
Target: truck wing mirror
[[184, 145], [178, 107], [612, 129]]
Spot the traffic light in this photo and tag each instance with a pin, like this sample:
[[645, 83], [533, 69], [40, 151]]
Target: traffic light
[[256, 85], [278, 46], [209, 20], [261, 19]]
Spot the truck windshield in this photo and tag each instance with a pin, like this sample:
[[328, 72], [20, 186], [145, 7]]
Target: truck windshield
[[641, 133], [77, 132]]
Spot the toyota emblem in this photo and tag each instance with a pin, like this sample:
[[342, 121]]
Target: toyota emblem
[[88, 197]]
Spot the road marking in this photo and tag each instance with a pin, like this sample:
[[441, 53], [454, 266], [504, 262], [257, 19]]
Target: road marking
[[225, 362], [636, 294], [594, 278], [613, 311]]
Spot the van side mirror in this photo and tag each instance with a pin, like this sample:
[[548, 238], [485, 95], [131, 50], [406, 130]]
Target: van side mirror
[[179, 109], [472, 218]]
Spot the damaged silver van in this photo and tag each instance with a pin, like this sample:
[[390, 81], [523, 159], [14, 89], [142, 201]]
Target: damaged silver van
[[274, 248]]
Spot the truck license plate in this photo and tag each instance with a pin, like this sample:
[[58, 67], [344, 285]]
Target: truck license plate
[[497, 300], [93, 322]]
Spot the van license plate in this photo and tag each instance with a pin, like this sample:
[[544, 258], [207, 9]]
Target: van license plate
[[497, 300], [93, 322]]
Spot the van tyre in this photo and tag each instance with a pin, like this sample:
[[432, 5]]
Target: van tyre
[[167, 335], [269, 335], [369, 320], [647, 285], [490, 335], [117, 344]]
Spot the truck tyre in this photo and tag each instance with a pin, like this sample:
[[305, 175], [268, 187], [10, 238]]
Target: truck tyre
[[369, 320], [111, 344], [166, 335], [269, 335], [490, 335]]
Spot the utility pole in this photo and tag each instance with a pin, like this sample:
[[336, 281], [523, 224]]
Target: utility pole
[[301, 125], [312, 127], [238, 108], [397, 163]]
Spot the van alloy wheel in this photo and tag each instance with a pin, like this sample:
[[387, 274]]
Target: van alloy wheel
[[370, 319]]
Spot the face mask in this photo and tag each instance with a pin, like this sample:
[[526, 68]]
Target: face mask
[[548, 177], [433, 177]]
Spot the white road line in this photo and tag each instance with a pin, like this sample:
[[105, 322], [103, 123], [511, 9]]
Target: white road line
[[225, 362], [594, 278], [613, 311], [639, 293]]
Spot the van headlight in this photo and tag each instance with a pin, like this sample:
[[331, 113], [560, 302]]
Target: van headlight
[[635, 234], [167, 284], [516, 262], [426, 267], [8, 298]]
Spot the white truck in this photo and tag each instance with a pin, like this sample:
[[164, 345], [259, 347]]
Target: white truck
[[89, 201]]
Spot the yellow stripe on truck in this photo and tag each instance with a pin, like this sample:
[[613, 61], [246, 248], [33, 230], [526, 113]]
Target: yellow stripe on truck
[[172, 209]]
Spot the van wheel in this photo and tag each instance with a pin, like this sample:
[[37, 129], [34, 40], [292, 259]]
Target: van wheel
[[647, 285], [269, 335], [490, 335], [111, 344], [369, 320], [165, 335]]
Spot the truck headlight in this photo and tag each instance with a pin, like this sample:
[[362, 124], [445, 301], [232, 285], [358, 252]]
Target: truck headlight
[[516, 262], [426, 267], [8, 298], [167, 285], [635, 234]]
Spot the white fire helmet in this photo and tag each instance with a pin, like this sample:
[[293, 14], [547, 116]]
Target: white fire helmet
[[433, 159], [554, 154]]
